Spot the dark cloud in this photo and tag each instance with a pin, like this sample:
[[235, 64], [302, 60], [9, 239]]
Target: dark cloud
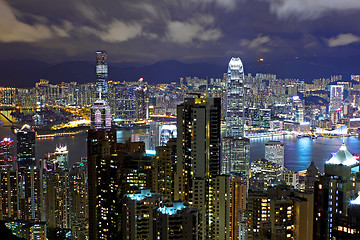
[[189, 30]]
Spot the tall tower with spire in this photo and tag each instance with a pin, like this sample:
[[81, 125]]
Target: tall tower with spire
[[235, 99], [235, 147], [101, 75]]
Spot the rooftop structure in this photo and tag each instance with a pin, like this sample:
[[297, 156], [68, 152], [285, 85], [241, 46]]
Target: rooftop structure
[[344, 157]]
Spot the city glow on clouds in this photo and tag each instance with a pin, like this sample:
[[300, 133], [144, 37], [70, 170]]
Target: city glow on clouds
[[259, 43], [180, 29], [310, 9], [343, 39], [13, 30]]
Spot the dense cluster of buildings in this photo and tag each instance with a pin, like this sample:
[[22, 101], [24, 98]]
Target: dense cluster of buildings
[[266, 102], [191, 181], [40, 196]]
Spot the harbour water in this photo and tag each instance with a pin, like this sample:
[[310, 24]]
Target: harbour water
[[298, 152]]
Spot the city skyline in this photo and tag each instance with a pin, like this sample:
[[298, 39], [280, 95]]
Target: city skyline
[[262, 33]]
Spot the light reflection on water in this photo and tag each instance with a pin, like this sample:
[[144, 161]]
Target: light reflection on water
[[298, 152]]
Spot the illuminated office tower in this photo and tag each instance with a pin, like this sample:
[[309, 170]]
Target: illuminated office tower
[[142, 101], [264, 118], [154, 139], [235, 99], [235, 150], [236, 155], [25, 147], [264, 173], [298, 109], [198, 162], [274, 152], [101, 75], [125, 102], [60, 157], [333, 192], [9, 187], [336, 97], [100, 115]]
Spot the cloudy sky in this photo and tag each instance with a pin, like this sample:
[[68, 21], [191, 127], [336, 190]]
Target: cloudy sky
[[185, 30]]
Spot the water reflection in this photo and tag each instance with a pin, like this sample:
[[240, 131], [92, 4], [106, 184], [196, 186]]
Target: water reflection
[[300, 152]]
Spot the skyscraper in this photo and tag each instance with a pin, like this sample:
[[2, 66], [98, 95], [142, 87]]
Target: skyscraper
[[103, 185], [100, 115], [101, 74], [336, 97], [125, 102], [25, 147], [274, 152], [197, 179], [236, 148], [236, 155], [113, 170], [333, 193], [235, 99]]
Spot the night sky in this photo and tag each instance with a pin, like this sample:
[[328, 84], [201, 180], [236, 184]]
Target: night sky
[[191, 31]]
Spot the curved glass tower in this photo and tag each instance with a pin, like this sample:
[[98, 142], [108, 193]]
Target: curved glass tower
[[235, 99]]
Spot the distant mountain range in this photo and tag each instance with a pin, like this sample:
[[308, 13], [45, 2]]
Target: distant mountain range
[[25, 73]]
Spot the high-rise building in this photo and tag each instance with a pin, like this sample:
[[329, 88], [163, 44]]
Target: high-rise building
[[163, 169], [114, 169], [57, 199], [31, 194], [238, 217], [236, 155], [142, 101], [298, 109], [279, 213], [57, 185], [125, 102], [9, 188], [274, 152], [264, 173], [6, 151], [333, 192], [103, 185], [25, 147], [100, 115], [58, 159], [198, 163], [79, 199], [236, 148], [101, 75], [336, 97], [235, 99], [137, 220]]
